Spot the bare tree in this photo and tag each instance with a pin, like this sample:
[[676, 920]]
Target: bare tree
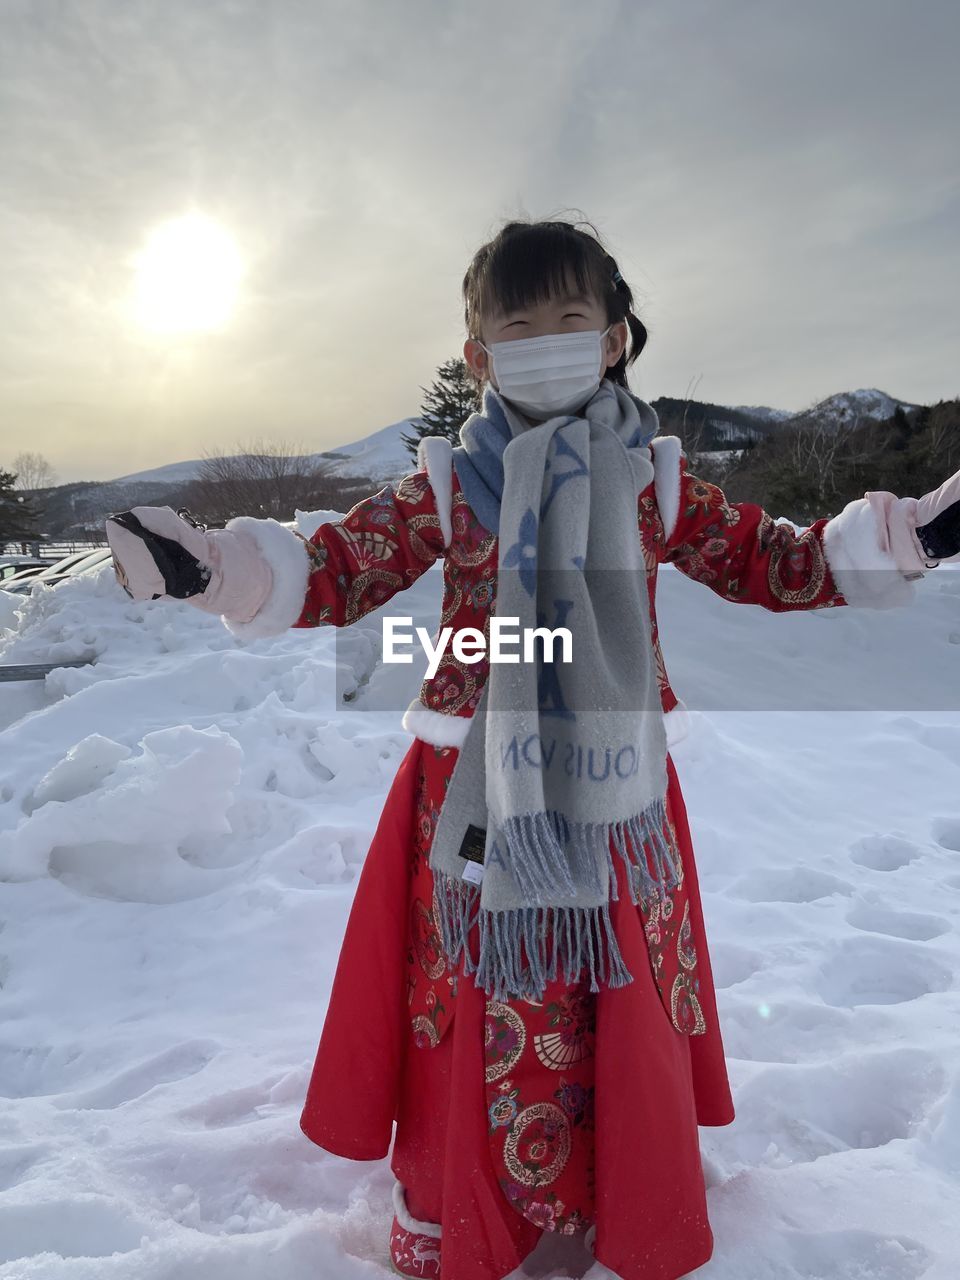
[[693, 440], [805, 469], [260, 479], [33, 471]]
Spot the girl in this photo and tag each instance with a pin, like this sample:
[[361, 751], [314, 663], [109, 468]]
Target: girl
[[524, 988]]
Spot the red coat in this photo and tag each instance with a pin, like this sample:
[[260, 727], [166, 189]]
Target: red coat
[[655, 1067]]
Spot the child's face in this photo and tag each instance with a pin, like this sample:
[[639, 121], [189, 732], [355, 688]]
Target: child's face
[[566, 314]]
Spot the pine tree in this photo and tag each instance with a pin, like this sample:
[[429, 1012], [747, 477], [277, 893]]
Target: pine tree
[[447, 404], [18, 516], [900, 430]]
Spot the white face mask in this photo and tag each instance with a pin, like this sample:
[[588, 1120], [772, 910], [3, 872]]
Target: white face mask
[[553, 374]]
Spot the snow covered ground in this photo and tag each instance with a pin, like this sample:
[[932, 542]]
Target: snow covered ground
[[181, 828]]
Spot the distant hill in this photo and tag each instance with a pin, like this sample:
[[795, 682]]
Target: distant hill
[[851, 408], [713, 427], [78, 509], [364, 465], [382, 456]]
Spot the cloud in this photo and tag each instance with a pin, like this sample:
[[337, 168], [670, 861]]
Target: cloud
[[777, 182]]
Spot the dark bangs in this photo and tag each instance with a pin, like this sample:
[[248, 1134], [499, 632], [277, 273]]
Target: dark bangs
[[530, 263], [527, 263]]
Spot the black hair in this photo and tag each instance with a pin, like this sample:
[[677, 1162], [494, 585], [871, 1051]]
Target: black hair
[[530, 262]]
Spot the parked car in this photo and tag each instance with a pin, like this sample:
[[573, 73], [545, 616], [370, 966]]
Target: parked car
[[68, 567], [14, 566]]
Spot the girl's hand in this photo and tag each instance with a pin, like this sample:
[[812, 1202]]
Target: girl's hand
[[159, 554], [922, 532]]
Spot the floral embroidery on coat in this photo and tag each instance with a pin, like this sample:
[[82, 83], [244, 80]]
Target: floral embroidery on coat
[[739, 551]]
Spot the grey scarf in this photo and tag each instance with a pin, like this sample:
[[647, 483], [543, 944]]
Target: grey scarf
[[563, 761]]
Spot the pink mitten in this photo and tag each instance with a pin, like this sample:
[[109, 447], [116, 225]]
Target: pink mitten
[[920, 532], [160, 555]]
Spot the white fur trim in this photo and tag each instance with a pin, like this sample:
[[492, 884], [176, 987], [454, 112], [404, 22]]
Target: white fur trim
[[676, 721], [590, 1238], [667, 464], [444, 729], [406, 1221], [439, 728], [435, 456], [865, 574], [285, 553]]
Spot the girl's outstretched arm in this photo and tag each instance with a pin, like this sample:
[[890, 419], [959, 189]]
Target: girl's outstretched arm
[[867, 555], [381, 546], [263, 578]]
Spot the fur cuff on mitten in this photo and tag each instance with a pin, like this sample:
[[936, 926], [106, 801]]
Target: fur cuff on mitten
[[266, 547], [240, 578], [858, 544], [879, 543]]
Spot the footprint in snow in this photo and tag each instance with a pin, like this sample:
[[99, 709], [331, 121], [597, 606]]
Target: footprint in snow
[[942, 737], [237, 1106], [176, 1063], [88, 1227], [782, 1031], [912, 925], [16, 1161], [792, 1114], [793, 884], [39, 1070], [884, 852], [732, 964], [853, 1255], [947, 834], [866, 970]]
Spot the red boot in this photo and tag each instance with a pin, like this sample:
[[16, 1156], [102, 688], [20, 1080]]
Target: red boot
[[414, 1246]]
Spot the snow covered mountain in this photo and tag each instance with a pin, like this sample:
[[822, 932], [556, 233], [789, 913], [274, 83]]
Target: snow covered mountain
[[764, 413], [848, 408], [381, 455]]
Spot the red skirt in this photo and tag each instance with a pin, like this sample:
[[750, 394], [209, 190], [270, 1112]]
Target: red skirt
[[517, 1117]]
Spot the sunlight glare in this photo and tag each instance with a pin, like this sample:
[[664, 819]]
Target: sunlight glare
[[187, 276]]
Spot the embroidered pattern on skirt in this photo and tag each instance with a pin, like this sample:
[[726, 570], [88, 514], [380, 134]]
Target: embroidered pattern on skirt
[[540, 1093]]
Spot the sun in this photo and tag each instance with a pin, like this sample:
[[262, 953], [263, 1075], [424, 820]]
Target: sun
[[187, 276]]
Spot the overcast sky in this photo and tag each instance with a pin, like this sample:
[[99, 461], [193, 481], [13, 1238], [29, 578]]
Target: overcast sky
[[779, 182]]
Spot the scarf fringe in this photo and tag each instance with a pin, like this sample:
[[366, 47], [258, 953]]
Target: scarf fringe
[[549, 856], [513, 943]]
